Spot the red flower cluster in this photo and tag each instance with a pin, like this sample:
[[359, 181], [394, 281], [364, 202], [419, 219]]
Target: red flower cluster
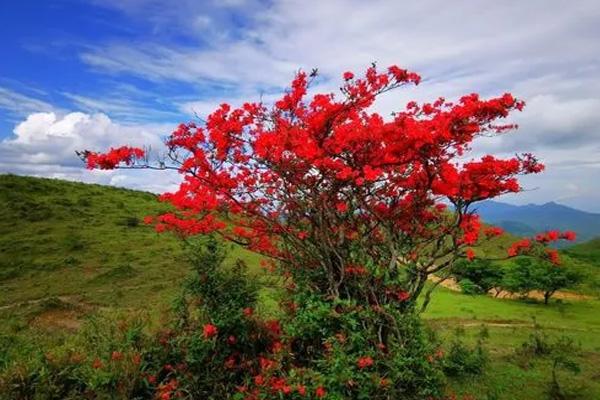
[[493, 231], [320, 392], [113, 157], [553, 256], [470, 253], [519, 247], [309, 180], [553, 236], [355, 270], [209, 331], [526, 246], [364, 362]]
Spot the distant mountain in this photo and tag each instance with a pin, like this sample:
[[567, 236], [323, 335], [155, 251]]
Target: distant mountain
[[532, 218]]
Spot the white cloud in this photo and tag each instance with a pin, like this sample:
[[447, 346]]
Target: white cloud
[[44, 144]]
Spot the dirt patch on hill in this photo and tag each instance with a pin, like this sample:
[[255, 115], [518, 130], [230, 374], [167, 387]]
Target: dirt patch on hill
[[59, 319], [452, 284]]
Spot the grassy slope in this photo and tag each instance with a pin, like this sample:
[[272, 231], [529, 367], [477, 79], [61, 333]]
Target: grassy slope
[[60, 238], [588, 251], [69, 239]]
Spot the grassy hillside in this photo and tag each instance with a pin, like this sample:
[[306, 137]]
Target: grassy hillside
[[68, 250], [61, 238], [588, 251]]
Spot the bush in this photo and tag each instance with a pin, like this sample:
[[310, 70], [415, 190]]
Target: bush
[[104, 360], [562, 354], [480, 272], [215, 347], [462, 360], [468, 287]]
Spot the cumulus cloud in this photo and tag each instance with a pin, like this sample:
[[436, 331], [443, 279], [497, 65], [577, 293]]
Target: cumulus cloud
[[44, 144]]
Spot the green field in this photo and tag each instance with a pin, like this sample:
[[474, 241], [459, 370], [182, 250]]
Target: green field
[[70, 250]]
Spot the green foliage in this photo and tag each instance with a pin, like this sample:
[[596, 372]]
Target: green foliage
[[563, 357], [119, 359], [588, 251], [481, 272], [520, 277], [562, 353], [467, 286], [528, 274], [103, 360], [463, 360], [35, 263], [329, 338]]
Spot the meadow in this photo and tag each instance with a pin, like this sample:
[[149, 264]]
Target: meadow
[[70, 251]]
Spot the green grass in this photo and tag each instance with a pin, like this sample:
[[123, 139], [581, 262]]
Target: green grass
[[68, 250], [60, 238], [510, 323]]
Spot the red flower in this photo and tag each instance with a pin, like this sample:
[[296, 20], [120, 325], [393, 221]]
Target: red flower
[[341, 207], [209, 331], [519, 247], [348, 76], [113, 158], [320, 392], [116, 356], [137, 359], [230, 362], [403, 295], [364, 362], [470, 254], [248, 311], [274, 327], [97, 364], [569, 235], [553, 256], [493, 231]]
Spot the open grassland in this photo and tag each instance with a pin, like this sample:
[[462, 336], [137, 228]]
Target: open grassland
[[69, 251]]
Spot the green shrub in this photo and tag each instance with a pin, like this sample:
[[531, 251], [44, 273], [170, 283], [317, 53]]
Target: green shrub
[[462, 360], [215, 346], [468, 287], [481, 272]]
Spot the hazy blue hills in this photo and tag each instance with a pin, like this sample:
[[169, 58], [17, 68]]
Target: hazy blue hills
[[532, 218]]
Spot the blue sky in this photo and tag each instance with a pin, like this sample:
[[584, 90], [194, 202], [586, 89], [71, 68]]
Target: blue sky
[[90, 73]]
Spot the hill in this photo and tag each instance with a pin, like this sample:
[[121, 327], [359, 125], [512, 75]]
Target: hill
[[588, 251], [532, 218], [60, 238]]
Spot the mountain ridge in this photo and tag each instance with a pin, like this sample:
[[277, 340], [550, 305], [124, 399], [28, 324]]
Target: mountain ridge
[[528, 219]]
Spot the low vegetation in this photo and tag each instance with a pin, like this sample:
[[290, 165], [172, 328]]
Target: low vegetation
[[100, 299]]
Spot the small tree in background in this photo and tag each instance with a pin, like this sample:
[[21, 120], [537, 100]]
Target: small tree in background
[[528, 274], [520, 277], [481, 272], [551, 278]]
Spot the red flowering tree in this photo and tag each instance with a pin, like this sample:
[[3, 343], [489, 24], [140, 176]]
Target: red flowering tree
[[327, 186], [351, 206]]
